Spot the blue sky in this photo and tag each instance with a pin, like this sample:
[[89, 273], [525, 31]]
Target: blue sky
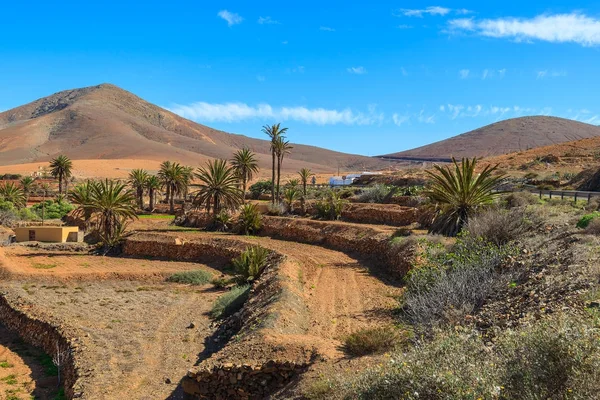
[[361, 77]]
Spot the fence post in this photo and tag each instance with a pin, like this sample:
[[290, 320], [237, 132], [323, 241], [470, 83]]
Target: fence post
[[575, 197], [540, 193], [551, 194], [589, 197]]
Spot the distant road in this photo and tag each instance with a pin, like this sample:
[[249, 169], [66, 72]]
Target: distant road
[[415, 159]]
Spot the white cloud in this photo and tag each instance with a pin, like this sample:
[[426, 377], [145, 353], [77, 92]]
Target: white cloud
[[464, 73], [404, 71], [236, 112], [485, 74], [431, 10], [299, 69], [400, 119], [260, 78], [267, 21], [550, 74], [231, 18], [502, 72], [427, 119], [558, 28], [404, 26], [284, 42], [357, 70], [326, 28], [593, 119]]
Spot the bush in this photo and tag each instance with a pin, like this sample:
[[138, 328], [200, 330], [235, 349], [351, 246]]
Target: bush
[[373, 340], [374, 194], [6, 206], [250, 264], [198, 277], [556, 359], [26, 214], [502, 226], [8, 218], [330, 207], [230, 302], [259, 188], [449, 286], [586, 219], [53, 209], [520, 199], [250, 219], [593, 227], [277, 209]]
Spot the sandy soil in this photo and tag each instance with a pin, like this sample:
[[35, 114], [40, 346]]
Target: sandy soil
[[66, 265], [22, 375]]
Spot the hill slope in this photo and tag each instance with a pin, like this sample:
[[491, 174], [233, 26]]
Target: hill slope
[[517, 134], [105, 122]]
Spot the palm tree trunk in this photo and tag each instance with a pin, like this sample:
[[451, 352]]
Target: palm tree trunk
[[278, 176], [151, 199], [60, 179], [273, 179], [140, 193], [172, 202], [168, 193], [244, 190]]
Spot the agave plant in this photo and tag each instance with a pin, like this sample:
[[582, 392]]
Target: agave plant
[[11, 193], [250, 264], [61, 169], [459, 192], [218, 187], [250, 219], [245, 165]]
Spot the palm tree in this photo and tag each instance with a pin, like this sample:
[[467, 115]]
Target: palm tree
[[305, 174], [282, 147], [460, 192], [60, 168], [44, 188], [11, 193], [175, 178], [218, 187], [137, 179], [290, 195], [293, 183], [152, 185], [27, 185], [188, 176], [245, 166], [81, 195], [112, 203], [274, 132]]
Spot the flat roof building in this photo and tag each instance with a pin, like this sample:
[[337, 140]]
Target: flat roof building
[[52, 234]]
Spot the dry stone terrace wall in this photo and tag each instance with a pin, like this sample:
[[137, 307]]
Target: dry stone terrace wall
[[247, 367], [19, 316], [387, 214]]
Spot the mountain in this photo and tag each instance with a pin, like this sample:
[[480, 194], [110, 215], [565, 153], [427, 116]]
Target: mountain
[[105, 122], [511, 135]]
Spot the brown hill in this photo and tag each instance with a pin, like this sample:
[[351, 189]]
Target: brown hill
[[105, 122], [511, 135]]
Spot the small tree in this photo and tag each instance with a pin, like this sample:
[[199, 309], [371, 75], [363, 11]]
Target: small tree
[[305, 174], [245, 166], [290, 195], [275, 132], [27, 186], [137, 180], [61, 168], [152, 185], [218, 187]]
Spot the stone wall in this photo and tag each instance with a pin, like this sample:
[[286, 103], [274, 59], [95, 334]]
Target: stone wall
[[248, 366], [18, 315], [386, 214]]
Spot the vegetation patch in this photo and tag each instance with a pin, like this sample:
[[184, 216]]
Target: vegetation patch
[[43, 266], [156, 216], [586, 219], [230, 302], [374, 340], [198, 277]]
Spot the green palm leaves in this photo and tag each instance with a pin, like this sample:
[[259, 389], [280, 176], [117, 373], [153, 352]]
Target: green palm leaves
[[152, 184], [218, 187], [460, 192], [276, 134], [81, 195], [176, 179], [61, 168], [245, 165], [305, 175], [11, 193], [137, 179]]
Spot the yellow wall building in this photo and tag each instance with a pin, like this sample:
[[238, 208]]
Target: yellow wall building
[[54, 234]]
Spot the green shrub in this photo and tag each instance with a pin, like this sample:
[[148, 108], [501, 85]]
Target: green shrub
[[373, 340], [374, 194], [222, 221], [330, 207], [197, 277], [6, 206], [230, 302], [250, 219], [26, 214], [250, 264], [52, 209], [259, 188], [586, 219]]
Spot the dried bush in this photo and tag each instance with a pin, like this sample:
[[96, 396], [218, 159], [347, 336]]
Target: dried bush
[[593, 227], [593, 204], [198, 277], [374, 194], [453, 284], [9, 218], [276, 209], [230, 302], [374, 340], [500, 227], [520, 199]]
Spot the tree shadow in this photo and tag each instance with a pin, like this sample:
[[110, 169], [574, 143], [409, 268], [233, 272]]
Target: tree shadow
[[43, 372]]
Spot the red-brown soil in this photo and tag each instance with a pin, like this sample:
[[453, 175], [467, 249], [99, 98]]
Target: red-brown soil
[[512, 135], [105, 122]]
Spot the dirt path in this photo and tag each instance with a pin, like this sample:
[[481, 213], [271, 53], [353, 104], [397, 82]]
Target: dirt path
[[22, 373]]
